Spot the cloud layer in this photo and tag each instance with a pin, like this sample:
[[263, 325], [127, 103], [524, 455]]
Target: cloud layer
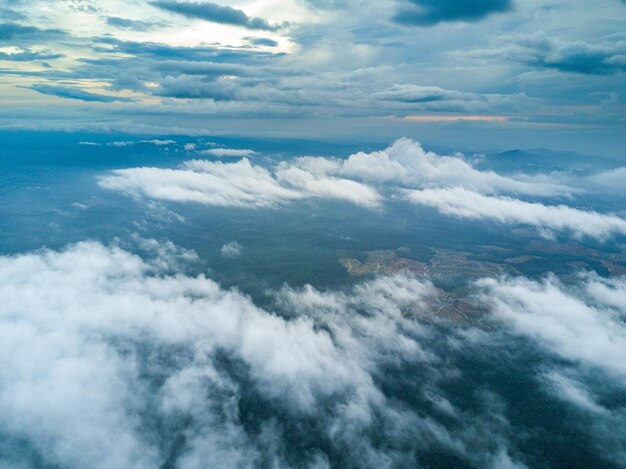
[[463, 203], [448, 183], [115, 363]]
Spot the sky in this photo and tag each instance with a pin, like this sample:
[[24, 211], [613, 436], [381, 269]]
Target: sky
[[479, 74]]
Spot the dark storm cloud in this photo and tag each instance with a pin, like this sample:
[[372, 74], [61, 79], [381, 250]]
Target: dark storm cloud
[[431, 12], [76, 93], [215, 13]]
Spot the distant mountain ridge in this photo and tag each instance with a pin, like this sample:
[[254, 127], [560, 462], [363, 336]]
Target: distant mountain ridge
[[542, 160]]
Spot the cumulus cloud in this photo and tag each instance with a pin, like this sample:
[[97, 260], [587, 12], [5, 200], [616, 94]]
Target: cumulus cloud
[[542, 51], [158, 142], [406, 163], [467, 204], [431, 12], [239, 184], [220, 152], [613, 179], [231, 250], [121, 143], [109, 345]]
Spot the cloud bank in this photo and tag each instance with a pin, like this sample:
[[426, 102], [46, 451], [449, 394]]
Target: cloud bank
[[467, 204], [113, 363], [238, 184], [405, 169]]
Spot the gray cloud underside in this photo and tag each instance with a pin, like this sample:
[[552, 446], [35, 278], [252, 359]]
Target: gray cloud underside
[[242, 184], [216, 13], [542, 51], [431, 12]]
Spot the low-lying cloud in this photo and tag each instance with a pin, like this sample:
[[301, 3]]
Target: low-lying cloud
[[584, 323], [239, 184], [108, 361], [407, 163], [471, 205], [448, 183]]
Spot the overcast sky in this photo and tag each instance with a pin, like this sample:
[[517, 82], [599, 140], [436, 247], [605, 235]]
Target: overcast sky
[[466, 74]]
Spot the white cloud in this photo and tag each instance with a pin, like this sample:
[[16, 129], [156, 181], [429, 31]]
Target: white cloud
[[238, 184], [190, 146], [614, 179], [231, 250], [93, 144], [573, 392], [94, 339], [407, 163], [404, 164], [159, 143], [579, 323], [463, 203], [126, 143], [327, 186], [221, 152]]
